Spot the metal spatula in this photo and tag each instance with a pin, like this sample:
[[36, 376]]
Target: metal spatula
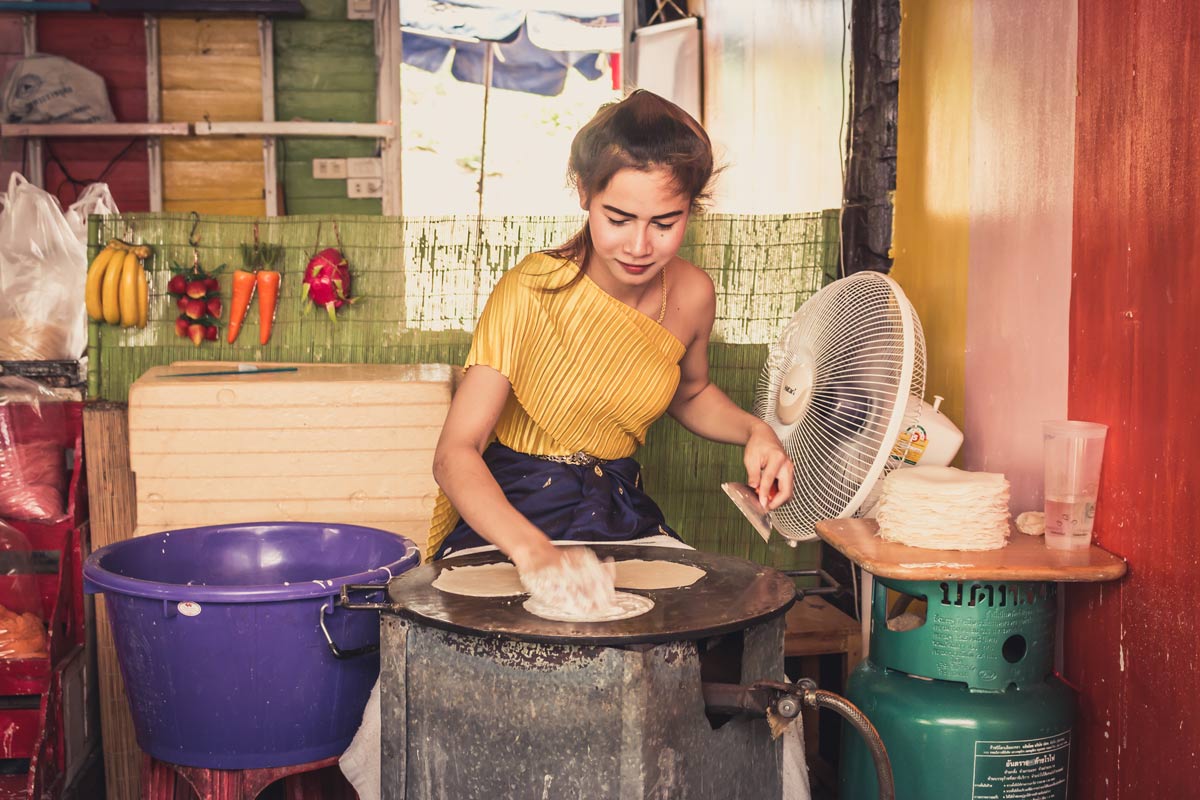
[[746, 499]]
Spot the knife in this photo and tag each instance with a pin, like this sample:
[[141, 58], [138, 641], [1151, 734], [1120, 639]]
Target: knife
[[746, 499], [243, 369]]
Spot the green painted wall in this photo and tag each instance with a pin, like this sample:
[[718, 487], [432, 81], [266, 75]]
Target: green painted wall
[[324, 72]]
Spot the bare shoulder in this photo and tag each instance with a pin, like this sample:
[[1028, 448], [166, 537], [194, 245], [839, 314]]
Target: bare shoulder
[[691, 286], [692, 301]]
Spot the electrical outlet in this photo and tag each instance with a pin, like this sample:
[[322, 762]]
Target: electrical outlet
[[364, 187], [360, 9], [329, 168], [364, 167]]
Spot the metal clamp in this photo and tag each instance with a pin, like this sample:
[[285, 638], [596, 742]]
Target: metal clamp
[[827, 584], [344, 600]]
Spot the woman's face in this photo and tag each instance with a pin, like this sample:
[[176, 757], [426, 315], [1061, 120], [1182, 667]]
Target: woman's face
[[637, 224]]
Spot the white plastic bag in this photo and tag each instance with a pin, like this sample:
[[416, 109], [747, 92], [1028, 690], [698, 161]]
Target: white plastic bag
[[95, 199], [46, 88], [43, 264]]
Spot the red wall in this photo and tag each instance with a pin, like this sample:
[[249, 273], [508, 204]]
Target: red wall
[[1133, 648], [115, 48]]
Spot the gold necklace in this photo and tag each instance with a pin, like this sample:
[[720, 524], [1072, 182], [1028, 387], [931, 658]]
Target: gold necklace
[[662, 312]]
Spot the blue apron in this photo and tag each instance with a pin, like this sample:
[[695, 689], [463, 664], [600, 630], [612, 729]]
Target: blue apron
[[589, 503]]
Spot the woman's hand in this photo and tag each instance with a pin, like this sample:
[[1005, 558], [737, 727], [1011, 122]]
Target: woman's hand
[[769, 471], [571, 578]]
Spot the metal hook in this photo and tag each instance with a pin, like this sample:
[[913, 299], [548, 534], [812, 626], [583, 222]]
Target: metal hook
[[337, 234], [193, 239]]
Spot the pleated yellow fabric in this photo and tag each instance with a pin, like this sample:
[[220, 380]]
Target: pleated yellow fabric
[[588, 373]]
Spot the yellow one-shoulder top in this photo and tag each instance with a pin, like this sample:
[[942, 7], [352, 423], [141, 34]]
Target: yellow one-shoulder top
[[588, 372]]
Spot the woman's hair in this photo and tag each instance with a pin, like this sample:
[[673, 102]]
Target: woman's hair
[[641, 132]]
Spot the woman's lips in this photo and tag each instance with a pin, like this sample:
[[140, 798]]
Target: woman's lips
[[634, 269]]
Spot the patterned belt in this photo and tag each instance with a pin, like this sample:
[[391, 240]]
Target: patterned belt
[[578, 459]]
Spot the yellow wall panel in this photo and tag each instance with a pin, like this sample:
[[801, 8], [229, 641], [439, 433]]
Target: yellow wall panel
[[214, 105], [212, 69], [212, 148], [244, 208], [932, 217], [207, 36], [212, 180], [220, 71]]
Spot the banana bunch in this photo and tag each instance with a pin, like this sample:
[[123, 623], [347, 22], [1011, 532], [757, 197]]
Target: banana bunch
[[117, 291]]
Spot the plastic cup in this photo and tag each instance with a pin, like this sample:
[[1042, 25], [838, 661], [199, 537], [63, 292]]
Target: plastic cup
[[1072, 453]]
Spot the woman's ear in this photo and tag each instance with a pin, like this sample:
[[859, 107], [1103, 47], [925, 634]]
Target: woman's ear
[[583, 199]]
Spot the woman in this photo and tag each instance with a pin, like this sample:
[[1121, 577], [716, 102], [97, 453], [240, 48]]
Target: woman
[[578, 351]]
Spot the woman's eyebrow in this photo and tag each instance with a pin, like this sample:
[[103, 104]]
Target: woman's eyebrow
[[621, 213]]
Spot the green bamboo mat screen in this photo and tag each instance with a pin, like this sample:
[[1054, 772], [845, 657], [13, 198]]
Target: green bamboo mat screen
[[423, 283]]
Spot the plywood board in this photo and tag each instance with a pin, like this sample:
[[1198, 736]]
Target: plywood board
[[1025, 558]]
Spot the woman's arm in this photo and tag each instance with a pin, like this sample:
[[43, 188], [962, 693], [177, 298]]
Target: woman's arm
[[701, 407], [459, 469]]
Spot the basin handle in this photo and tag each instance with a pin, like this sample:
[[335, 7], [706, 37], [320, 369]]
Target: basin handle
[[333, 648]]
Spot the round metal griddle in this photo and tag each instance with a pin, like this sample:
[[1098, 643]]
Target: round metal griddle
[[732, 595]]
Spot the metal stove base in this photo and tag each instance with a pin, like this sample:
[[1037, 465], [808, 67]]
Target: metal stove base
[[466, 717]]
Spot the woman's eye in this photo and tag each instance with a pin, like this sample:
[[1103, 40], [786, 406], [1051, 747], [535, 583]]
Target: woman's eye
[[664, 226], [617, 222]]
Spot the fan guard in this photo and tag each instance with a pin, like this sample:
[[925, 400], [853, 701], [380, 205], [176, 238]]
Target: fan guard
[[839, 388]]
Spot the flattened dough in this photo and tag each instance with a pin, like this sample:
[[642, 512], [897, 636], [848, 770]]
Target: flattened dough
[[638, 573], [625, 605], [501, 580], [488, 580]]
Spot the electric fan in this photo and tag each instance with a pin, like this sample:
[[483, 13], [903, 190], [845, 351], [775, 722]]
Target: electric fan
[[843, 390]]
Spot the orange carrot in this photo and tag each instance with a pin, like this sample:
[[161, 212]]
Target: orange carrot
[[243, 289], [268, 293]]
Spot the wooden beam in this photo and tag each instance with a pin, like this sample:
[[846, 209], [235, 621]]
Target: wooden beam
[[353, 130], [154, 113], [112, 504], [266, 49], [95, 129]]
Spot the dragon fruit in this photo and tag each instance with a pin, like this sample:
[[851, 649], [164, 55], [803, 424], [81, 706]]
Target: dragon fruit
[[327, 281]]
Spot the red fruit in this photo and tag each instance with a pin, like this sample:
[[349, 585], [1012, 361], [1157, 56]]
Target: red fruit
[[177, 285], [211, 284], [214, 307], [196, 289], [195, 308], [327, 280], [182, 302], [210, 333], [195, 333], [181, 326]]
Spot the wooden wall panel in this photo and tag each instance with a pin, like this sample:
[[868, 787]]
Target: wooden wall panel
[[211, 68], [933, 198], [325, 70], [115, 49], [1018, 298], [11, 49], [1135, 344]]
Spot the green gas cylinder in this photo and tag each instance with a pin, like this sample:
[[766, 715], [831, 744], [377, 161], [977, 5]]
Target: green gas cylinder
[[962, 693]]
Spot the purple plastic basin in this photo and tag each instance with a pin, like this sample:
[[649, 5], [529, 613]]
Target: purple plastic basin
[[218, 634]]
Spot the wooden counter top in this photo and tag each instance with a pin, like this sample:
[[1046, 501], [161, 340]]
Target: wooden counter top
[[1025, 558]]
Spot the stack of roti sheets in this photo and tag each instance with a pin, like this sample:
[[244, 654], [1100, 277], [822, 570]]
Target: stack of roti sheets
[[943, 508]]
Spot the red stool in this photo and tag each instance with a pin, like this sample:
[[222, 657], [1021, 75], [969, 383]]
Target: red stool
[[316, 780]]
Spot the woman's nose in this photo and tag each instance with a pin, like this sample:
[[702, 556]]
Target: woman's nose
[[638, 244]]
